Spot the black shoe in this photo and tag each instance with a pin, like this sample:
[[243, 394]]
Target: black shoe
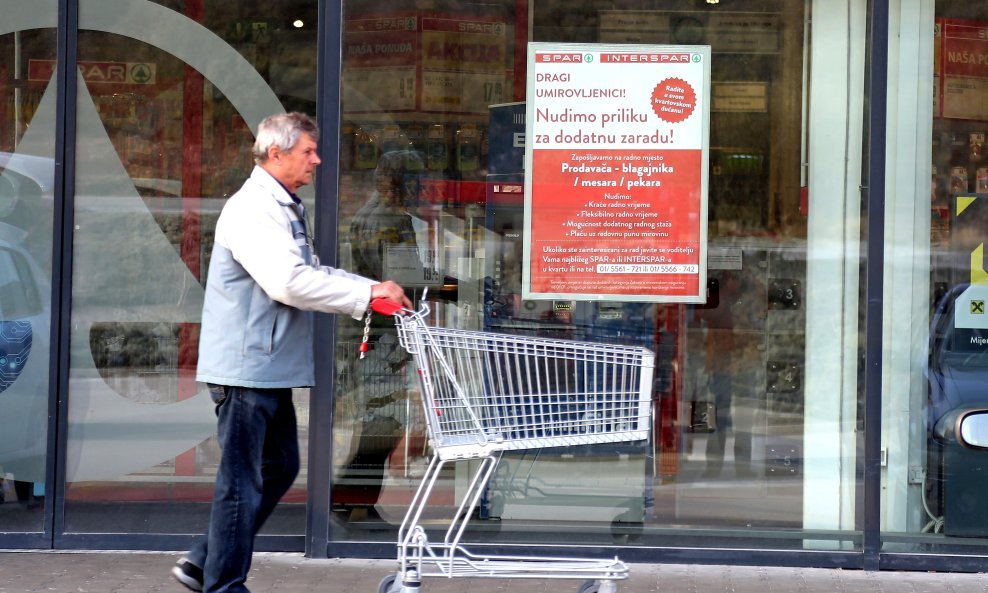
[[188, 574]]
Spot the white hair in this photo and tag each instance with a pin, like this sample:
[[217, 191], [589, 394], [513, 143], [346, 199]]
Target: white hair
[[282, 131]]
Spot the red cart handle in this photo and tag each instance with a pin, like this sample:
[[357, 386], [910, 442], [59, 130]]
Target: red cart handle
[[384, 306]]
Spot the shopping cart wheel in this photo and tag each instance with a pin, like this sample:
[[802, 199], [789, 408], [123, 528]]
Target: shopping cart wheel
[[598, 587], [388, 584]]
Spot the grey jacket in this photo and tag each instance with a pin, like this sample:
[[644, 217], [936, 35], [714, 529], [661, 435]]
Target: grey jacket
[[264, 282]]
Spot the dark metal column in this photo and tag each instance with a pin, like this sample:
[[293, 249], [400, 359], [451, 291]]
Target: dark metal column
[[873, 195], [61, 287], [328, 105]]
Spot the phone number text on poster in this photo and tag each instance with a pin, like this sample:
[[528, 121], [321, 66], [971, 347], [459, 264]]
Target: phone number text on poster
[[648, 269]]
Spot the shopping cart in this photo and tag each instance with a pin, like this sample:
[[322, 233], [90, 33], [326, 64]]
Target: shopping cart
[[485, 393]]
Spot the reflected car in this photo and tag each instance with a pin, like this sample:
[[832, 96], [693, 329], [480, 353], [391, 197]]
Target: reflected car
[[24, 351], [25, 293]]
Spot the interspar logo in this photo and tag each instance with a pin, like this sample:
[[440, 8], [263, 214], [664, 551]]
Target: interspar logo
[[646, 58]]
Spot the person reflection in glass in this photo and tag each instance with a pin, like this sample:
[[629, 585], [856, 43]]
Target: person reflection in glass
[[383, 236], [731, 355], [384, 221]]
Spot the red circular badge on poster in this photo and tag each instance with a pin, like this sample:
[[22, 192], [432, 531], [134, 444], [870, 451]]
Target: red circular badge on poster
[[673, 100]]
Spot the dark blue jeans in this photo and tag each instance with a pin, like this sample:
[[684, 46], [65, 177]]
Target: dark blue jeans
[[258, 437]]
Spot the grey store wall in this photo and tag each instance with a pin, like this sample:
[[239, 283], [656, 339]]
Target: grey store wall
[[137, 348]]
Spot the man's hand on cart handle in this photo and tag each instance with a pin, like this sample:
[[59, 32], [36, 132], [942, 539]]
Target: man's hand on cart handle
[[385, 307], [391, 292], [387, 298]]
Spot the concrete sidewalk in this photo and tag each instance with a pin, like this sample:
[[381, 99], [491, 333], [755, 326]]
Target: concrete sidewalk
[[147, 572]]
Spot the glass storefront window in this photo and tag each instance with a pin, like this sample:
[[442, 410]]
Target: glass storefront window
[[27, 174], [935, 367], [164, 122], [756, 396], [758, 393]]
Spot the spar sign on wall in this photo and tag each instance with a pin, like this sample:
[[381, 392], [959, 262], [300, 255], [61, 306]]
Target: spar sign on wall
[[616, 172]]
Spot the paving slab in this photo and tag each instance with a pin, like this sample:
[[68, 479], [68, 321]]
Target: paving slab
[[148, 572]]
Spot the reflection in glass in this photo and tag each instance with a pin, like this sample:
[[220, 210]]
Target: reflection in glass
[[749, 433], [163, 137], [27, 172], [936, 361], [387, 241]]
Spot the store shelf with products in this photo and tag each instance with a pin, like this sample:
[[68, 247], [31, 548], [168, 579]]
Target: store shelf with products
[[960, 121], [451, 150], [756, 90], [430, 173], [959, 166]]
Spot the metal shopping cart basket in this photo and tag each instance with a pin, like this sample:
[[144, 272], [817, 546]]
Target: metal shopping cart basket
[[486, 393]]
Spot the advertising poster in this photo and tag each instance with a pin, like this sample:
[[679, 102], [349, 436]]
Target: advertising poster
[[380, 54], [424, 61], [962, 69], [464, 63], [616, 172], [970, 224]]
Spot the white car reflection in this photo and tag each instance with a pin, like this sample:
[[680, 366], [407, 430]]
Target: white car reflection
[[101, 421], [24, 340], [26, 189]]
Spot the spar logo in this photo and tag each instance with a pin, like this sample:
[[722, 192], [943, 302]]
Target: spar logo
[[562, 58]]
